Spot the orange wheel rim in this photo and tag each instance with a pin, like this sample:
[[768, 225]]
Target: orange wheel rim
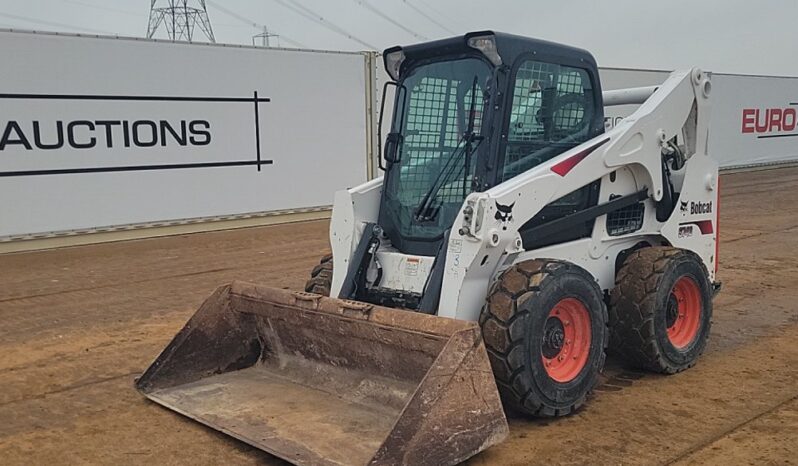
[[683, 312], [566, 340]]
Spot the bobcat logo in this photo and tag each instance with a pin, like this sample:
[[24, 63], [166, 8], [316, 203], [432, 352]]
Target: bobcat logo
[[683, 206], [504, 214]]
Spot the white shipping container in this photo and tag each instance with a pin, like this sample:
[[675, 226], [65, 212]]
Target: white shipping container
[[101, 132]]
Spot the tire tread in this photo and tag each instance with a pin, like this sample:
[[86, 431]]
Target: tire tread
[[509, 369], [633, 304]]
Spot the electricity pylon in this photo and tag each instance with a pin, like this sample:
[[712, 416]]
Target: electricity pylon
[[180, 18]]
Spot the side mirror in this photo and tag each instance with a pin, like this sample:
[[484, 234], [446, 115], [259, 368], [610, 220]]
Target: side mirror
[[394, 140], [392, 144]]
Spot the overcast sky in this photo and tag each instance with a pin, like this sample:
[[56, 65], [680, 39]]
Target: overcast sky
[[742, 36]]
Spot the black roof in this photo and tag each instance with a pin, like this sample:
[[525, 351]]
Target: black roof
[[509, 46]]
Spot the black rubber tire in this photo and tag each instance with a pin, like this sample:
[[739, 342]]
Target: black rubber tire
[[638, 325], [321, 277], [512, 322]]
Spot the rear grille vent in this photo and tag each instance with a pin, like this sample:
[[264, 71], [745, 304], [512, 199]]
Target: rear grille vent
[[626, 220]]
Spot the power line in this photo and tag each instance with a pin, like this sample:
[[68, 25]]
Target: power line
[[249, 22], [302, 10], [382, 15], [91, 5], [131, 13], [54, 24], [429, 18], [233, 14], [307, 13], [440, 13]]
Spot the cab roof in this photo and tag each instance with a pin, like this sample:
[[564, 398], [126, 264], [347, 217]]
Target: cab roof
[[509, 47]]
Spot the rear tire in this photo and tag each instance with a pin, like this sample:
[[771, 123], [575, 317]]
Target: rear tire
[[661, 309], [321, 277], [545, 328]]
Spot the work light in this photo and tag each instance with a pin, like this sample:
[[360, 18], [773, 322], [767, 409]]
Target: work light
[[393, 61], [487, 45]]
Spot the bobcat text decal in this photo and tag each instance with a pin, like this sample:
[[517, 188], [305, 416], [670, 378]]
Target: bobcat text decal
[[693, 208]]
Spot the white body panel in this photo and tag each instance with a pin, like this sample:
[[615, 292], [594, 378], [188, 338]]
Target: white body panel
[[627, 159], [352, 209]]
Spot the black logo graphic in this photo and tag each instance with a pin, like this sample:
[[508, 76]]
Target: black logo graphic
[[694, 208], [504, 214]]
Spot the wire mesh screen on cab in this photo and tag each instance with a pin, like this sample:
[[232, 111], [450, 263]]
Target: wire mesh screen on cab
[[435, 120], [434, 171], [551, 112]]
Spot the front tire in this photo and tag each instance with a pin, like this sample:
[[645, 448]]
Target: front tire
[[545, 328], [661, 309]]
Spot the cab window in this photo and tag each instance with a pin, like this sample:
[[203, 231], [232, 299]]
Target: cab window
[[551, 112]]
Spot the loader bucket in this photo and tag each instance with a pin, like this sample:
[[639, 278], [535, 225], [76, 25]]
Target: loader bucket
[[324, 381]]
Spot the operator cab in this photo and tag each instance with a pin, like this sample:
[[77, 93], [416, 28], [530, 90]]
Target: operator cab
[[471, 112]]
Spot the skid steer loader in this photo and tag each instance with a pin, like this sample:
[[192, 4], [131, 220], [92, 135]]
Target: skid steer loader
[[511, 241]]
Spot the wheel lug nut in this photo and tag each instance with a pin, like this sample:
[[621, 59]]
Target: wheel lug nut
[[559, 358], [567, 323]]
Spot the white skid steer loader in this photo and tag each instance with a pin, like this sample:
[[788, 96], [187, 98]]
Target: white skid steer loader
[[510, 243]]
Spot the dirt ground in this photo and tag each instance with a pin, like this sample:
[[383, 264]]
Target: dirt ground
[[78, 324]]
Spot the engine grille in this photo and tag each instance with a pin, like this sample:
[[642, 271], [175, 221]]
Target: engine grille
[[626, 220]]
